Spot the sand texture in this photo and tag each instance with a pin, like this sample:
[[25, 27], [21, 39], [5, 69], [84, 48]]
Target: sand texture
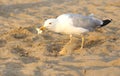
[[25, 53]]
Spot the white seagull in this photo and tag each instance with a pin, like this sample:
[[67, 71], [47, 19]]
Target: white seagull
[[73, 24]]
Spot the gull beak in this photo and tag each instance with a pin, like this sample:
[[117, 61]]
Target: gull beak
[[40, 30]]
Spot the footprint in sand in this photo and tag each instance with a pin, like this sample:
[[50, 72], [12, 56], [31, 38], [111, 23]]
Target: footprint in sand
[[24, 55], [19, 36], [19, 51], [2, 43]]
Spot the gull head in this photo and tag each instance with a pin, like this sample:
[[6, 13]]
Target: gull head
[[48, 24]]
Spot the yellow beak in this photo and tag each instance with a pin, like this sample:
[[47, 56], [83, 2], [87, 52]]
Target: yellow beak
[[42, 28]]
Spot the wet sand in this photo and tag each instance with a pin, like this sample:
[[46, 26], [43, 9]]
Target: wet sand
[[25, 53]]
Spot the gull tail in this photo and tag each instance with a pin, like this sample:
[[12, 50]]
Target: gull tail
[[105, 22]]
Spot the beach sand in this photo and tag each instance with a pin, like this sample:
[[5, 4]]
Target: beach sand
[[25, 53]]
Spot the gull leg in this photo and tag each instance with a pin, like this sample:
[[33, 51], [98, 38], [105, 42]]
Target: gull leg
[[83, 40]]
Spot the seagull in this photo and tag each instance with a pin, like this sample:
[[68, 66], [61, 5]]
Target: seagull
[[73, 24]]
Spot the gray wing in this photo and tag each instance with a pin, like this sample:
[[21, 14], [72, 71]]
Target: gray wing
[[87, 22]]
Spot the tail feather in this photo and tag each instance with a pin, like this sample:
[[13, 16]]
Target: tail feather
[[105, 22]]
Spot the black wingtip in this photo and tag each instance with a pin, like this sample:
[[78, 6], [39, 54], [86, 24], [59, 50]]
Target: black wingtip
[[105, 22]]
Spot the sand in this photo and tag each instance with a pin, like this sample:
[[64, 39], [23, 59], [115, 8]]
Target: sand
[[25, 53]]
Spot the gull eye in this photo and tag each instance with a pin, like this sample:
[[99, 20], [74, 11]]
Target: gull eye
[[50, 23]]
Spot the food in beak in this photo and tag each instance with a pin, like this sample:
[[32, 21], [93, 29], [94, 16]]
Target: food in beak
[[39, 31]]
